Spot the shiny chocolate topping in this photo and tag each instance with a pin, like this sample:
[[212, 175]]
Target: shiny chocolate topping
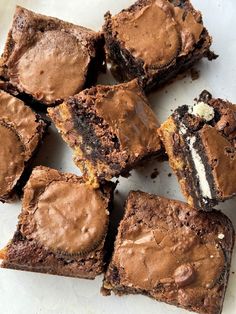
[[221, 154], [131, 119], [53, 68], [157, 33], [153, 256], [70, 218], [12, 157]]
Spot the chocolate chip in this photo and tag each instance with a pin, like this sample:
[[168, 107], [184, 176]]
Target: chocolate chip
[[184, 275]]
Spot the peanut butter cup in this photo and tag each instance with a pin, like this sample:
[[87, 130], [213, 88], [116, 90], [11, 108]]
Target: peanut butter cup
[[21, 131], [50, 59], [171, 252], [200, 141], [62, 226], [110, 129], [154, 40]]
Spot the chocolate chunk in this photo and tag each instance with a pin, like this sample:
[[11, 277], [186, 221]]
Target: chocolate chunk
[[184, 275]]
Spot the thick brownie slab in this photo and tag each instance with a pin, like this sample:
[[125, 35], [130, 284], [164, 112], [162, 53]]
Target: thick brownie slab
[[200, 142], [50, 59], [171, 252], [155, 39], [61, 228], [110, 128], [21, 131]]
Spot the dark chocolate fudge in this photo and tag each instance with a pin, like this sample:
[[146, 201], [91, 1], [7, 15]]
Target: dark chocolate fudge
[[50, 59], [21, 132], [61, 228], [171, 252], [200, 141], [110, 128], [154, 40]]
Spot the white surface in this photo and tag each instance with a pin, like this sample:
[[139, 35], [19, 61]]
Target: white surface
[[29, 293]]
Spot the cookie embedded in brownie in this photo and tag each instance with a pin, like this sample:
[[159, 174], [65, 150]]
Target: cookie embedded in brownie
[[171, 252], [21, 132], [155, 40], [50, 59], [110, 128], [200, 142], [62, 226]]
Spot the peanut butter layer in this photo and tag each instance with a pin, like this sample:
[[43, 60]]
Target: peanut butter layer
[[20, 133], [172, 252], [48, 58], [63, 214], [158, 32]]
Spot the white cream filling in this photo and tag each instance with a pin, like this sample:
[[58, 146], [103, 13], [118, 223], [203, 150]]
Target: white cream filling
[[202, 110], [200, 169]]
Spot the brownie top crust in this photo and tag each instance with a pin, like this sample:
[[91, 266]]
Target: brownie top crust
[[172, 252], [213, 122], [63, 214], [125, 109], [157, 23], [46, 57], [20, 133]]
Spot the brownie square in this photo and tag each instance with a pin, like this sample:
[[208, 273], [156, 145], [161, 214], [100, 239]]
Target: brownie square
[[21, 132], [62, 226], [110, 128], [155, 40], [200, 142], [50, 59], [171, 252]]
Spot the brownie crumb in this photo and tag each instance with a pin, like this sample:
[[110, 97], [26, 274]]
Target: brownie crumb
[[155, 173], [195, 74], [169, 174]]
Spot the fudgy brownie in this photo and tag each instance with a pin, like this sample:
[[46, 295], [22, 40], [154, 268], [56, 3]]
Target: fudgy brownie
[[155, 39], [62, 226], [200, 142], [50, 59], [171, 252], [110, 129], [21, 131]]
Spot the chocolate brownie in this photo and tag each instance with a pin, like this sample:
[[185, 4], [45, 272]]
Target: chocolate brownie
[[21, 131], [171, 252], [62, 226], [110, 128], [154, 40], [200, 142], [50, 59]]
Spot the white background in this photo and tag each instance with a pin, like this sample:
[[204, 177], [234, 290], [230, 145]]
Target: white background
[[29, 293]]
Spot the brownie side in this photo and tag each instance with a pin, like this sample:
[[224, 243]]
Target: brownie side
[[152, 220], [98, 144], [26, 251], [126, 67], [31, 31], [22, 132]]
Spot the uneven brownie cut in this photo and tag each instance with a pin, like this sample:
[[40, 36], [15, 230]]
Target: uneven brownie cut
[[171, 252], [50, 59], [200, 141], [154, 40], [21, 132], [62, 226], [110, 128]]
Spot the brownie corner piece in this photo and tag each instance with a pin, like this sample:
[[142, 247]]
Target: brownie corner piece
[[110, 128], [21, 133], [200, 142], [171, 252], [155, 40], [62, 226], [49, 59]]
